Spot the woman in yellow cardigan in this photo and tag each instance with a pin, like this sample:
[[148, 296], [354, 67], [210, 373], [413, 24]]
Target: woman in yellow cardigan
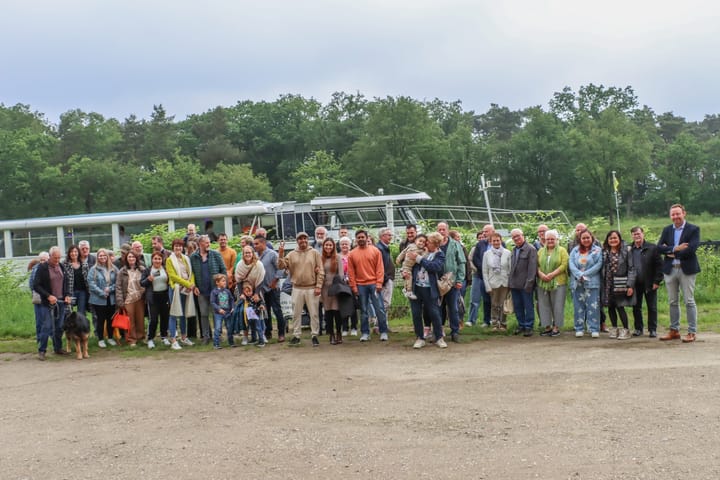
[[181, 283], [552, 284]]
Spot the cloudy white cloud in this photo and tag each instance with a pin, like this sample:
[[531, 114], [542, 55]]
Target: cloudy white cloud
[[119, 58]]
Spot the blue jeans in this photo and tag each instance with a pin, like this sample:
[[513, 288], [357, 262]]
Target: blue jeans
[[52, 319], [172, 324], [586, 303], [369, 296], [38, 321], [478, 294], [450, 300], [81, 300], [218, 328], [425, 303], [523, 306], [272, 300]]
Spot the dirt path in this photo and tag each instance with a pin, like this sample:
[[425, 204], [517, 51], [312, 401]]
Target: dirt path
[[509, 408]]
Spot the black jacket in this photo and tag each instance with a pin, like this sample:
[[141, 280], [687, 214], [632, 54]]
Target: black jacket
[[650, 267]]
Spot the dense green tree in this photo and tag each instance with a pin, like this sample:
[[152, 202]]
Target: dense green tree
[[321, 174]]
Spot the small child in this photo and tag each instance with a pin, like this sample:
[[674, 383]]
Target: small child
[[222, 302], [407, 264], [253, 315]]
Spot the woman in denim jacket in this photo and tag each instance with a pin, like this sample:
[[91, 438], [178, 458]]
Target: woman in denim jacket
[[585, 267], [101, 282]]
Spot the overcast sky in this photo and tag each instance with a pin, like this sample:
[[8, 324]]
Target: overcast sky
[[121, 57]]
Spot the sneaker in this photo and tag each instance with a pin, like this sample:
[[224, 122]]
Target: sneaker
[[187, 341], [555, 333], [486, 325], [546, 333], [441, 343], [175, 346], [151, 344], [315, 341], [353, 332], [260, 344], [430, 338], [624, 334], [166, 342], [132, 345], [41, 356], [528, 332], [102, 344], [112, 342], [468, 324], [294, 342], [383, 337], [365, 337], [614, 332], [579, 334], [426, 332], [595, 334], [652, 334], [206, 341], [455, 337], [244, 341], [637, 333], [344, 333], [419, 343], [217, 347]]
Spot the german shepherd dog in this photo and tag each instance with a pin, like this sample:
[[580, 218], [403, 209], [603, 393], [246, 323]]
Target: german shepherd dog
[[77, 330]]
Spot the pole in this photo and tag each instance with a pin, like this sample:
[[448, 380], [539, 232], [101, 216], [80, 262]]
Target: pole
[[617, 202], [487, 200]]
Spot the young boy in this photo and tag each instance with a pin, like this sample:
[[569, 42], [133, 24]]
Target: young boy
[[222, 301], [407, 264], [253, 314]]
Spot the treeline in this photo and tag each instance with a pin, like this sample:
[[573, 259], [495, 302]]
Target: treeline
[[295, 148]]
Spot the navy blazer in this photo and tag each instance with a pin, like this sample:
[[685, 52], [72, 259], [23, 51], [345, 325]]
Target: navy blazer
[[480, 248], [688, 259]]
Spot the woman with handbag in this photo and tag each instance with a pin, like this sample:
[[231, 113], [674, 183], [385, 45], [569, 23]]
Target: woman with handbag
[[181, 283], [130, 297], [618, 282], [496, 273], [345, 246], [332, 263], [102, 279]]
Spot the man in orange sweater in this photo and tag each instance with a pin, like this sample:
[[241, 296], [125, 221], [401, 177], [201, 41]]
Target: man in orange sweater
[[366, 272]]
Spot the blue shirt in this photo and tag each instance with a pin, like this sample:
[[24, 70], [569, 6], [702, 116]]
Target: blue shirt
[[677, 233]]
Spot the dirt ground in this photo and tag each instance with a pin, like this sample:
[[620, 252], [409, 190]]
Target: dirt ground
[[503, 408]]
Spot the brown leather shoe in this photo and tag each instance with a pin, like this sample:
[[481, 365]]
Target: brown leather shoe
[[689, 338], [671, 335]]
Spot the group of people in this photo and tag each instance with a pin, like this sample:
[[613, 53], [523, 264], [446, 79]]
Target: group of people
[[218, 288], [602, 277]]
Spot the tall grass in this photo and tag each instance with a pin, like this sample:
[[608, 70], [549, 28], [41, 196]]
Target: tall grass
[[17, 316]]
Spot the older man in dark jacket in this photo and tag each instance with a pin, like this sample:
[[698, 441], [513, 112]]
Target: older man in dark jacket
[[523, 270], [649, 275]]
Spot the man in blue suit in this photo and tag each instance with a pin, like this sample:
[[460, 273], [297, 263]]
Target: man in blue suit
[[679, 243]]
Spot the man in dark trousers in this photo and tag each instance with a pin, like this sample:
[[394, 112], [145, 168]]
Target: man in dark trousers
[[648, 271], [678, 243]]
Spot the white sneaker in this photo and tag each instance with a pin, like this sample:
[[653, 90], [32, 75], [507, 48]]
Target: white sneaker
[[344, 333], [112, 342], [579, 334], [175, 346], [419, 343], [441, 343], [187, 341], [595, 334], [614, 332], [353, 332], [244, 341], [383, 337], [624, 334], [412, 296], [151, 344], [430, 338], [365, 337], [468, 324], [166, 342], [102, 344]]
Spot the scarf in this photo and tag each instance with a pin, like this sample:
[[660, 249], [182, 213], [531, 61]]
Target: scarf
[[495, 257], [181, 268]]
